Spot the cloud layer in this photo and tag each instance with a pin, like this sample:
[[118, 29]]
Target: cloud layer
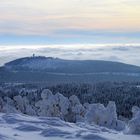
[[121, 53]]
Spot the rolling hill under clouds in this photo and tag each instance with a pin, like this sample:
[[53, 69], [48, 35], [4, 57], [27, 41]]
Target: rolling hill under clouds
[[49, 69]]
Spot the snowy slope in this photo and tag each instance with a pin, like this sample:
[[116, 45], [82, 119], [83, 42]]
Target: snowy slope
[[40, 63], [21, 127], [70, 66], [55, 70]]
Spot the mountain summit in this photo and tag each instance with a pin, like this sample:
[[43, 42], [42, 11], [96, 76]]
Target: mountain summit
[[69, 66], [49, 69]]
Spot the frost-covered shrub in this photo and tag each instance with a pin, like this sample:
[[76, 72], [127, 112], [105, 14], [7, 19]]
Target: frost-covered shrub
[[74, 100], [9, 106], [135, 110], [22, 105], [104, 116], [59, 106], [19, 103], [46, 94], [28, 108], [94, 113], [134, 123], [45, 103], [62, 103], [52, 105], [77, 110]]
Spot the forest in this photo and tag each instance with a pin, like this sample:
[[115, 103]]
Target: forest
[[124, 94]]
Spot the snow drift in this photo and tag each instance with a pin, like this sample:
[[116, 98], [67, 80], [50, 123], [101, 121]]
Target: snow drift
[[21, 127]]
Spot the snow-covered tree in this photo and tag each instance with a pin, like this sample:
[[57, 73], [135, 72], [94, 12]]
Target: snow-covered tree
[[28, 108], [47, 105], [62, 103], [134, 123], [77, 110], [19, 103], [104, 116], [9, 106]]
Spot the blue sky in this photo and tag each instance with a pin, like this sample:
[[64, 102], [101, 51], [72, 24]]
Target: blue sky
[[73, 37]]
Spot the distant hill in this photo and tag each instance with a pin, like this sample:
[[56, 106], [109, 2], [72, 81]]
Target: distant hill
[[49, 69]]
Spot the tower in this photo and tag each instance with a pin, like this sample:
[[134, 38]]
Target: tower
[[33, 55]]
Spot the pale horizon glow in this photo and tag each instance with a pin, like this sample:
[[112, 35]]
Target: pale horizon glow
[[63, 14], [71, 20]]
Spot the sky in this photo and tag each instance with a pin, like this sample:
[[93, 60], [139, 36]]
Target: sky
[[70, 29], [42, 22]]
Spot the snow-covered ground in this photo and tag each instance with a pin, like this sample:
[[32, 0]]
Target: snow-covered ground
[[23, 127]]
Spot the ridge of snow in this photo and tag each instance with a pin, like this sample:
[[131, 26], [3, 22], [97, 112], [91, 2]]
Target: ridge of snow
[[21, 127], [36, 62]]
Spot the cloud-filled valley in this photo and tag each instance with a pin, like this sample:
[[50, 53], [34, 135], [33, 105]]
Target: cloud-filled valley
[[121, 53]]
